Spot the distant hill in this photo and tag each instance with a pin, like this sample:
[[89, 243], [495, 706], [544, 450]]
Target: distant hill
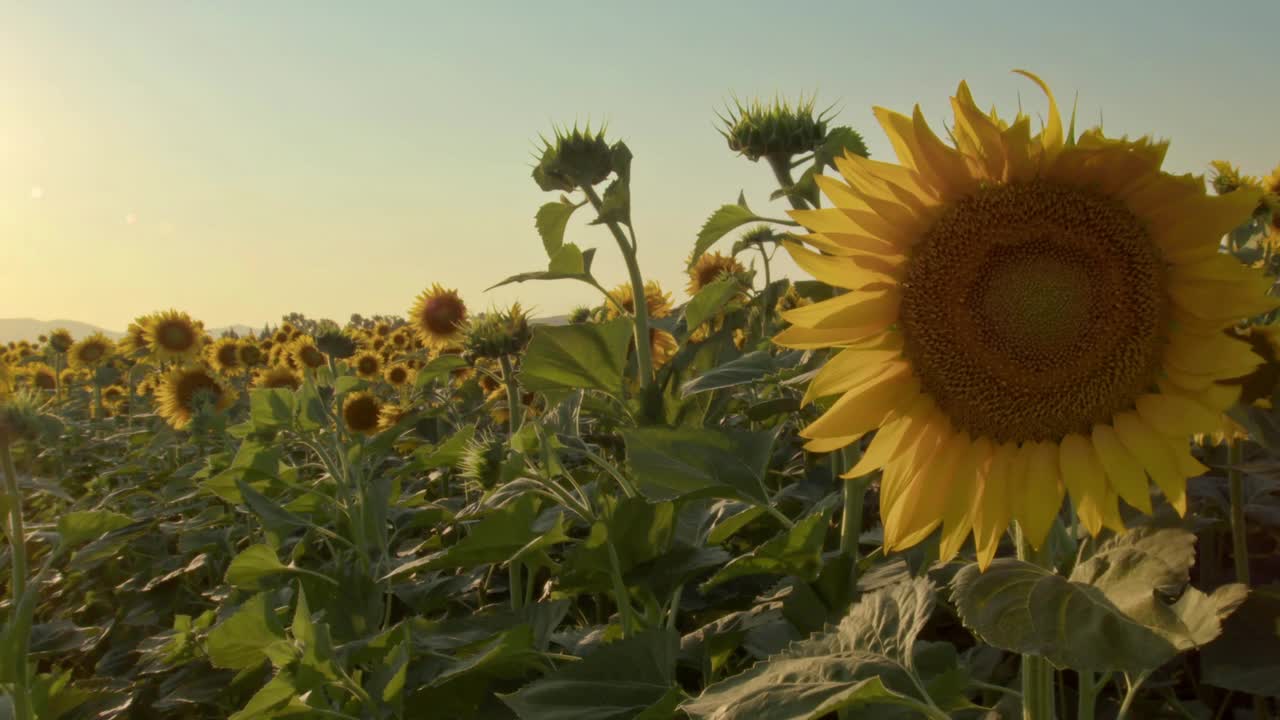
[[30, 328]]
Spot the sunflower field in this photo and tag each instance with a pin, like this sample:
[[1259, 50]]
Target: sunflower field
[[1010, 450]]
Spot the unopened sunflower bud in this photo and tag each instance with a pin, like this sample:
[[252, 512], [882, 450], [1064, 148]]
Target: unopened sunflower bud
[[497, 333], [21, 418], [576, 158], [775, 129]]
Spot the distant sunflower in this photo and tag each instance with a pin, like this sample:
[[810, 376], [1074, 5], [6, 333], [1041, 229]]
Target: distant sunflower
[[382, 330], [402, 339], [71, 376], [657, 301], [398, 374], [306, 352], [710, 268], [662, 346], [135, 337], [60, 340], [224, 356], [250, 354], [41, 376], [279, 376], [367, 365], [360, 412], [283, 334], [173, 335], [114, 394], [184, 390], [438, 315], [91, 352], [1026, 317]]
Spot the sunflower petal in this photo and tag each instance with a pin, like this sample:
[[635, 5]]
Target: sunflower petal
[[893, 437], [992, 506], [865, 407], [841, 272], [857, 309], [1155, 454], [1123, 469], [1085, 478], [961, 494], [1042, 492]]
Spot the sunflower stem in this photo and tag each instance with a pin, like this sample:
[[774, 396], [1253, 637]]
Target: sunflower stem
[[1037, 674], [1240, 534], [17, 585], [515, 411], [644, 355], [781, 165], [767, 310]]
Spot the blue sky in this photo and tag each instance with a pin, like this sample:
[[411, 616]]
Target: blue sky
[[242, 160]]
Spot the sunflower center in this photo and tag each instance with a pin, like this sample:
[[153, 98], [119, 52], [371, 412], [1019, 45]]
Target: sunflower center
[[175, 336], [228, 356], [192, 386], [442, 315], [1034, 310]]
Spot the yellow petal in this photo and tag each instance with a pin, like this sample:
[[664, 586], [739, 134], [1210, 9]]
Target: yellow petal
[[1154, 453], [857, 309], [857, 241], [1191, 230], [992, 504], [919, 508], [917, 452], [849, 369], [1172, 414], [961, 494], [948, 171], [1041, 499], [893, 438], [1215, 356], [887, 208], [865, 407], [1085, 478], [842, 272], [1022, 158], [1051, 138], [825, 220], [802, 338], [1124, 471], [902, 137], [978, 135], [864, 174]]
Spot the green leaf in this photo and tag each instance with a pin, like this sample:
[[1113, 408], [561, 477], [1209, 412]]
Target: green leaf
[[863, 660], [571, 357], [239, 642], [1124, 609], [672, 462], [84, 525], [1246, 657], [614, 682], [551, 274], [551, 220], [270, 697], [499, 536], [567, 260], [273, 516], [438, 368], [271, 408], [252, 565], [710, 300], [447, 453], [742, 371], [636, 530], [253, 461], [840, 140], [720, 223], [796, 551]]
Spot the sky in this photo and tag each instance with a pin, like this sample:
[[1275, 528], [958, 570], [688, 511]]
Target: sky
[[243, 160]]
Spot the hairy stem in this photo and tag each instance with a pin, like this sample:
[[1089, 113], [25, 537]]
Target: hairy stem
[[644, 355]]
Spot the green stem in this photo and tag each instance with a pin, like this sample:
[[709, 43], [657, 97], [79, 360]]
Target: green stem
[[1087, 695], [781, 166], [515, 409], [644, 355], [1037, 675], [620, 590], [1131, 695], [767, 311], [1240, 534], [17, 585], [514, 583]]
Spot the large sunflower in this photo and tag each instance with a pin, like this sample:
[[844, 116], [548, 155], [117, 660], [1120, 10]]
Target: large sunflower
[[1026, 316], [306, 353], [184, 390], [173, 335], [90, 352], [656, 301], [437, 316]]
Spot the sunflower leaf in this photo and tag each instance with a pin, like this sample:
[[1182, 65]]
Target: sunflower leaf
[[1246, 657], [583, 275], [1127, 608], [551, 221], [710, 300], [720, 223], [796, 551], [865, 660], [573, 357], [673, 462]]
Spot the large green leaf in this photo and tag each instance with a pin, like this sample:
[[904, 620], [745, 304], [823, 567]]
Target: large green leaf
[[254, 563], [747, 369], [240, 641], [572, 357], [721, 222], [271, 408], [710, 300], [1127, 608], [270, 698], [254, 461], [796, 551], [671, 462], [1246, 657], [632, 530], [551, 220], [438, 368], [866, 659], [447, 453], [617, 681], [83, 525]]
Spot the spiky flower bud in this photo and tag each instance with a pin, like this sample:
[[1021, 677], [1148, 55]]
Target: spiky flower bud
[[22, 418], [576, 158], [482, 459], [497, 333], [777, 128]]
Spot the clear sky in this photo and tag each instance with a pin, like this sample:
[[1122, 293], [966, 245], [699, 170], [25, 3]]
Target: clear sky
[[241, 160]]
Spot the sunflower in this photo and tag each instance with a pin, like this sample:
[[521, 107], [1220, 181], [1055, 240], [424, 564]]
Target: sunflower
[[60, 340], [657, 301], [224, 356], [367, 365], [360, 412], [437, 316], [711, 267], [306, 353], [398, 374], [91, 351], [1027, 316], [402, 339], [391, 415], [41, 376], [382, 329], [135, 336], [185, 390], [71, 376], [662, 346], [283, 334], [248, 353], [173, 335], [279, 376]]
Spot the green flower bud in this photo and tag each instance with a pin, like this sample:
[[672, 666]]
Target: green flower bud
[[775, 129], [482, 460], [497, 333], [580, 315], [576, 158], [22, 418]]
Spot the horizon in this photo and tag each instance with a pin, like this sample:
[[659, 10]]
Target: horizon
[[243, 162]]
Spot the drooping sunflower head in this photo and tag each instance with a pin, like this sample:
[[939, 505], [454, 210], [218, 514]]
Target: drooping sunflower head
[[278, 376], [1026, 316], [188, 390], [367, 365], [60, 340], [135, 337], [662, 346], [437, 315], [360, 412], [306, 353], [173, 335], [711, 267], [398, 374], [336, 344], [657, 301], [41, 376], [91, 352], [575, 158], [223, 356]]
